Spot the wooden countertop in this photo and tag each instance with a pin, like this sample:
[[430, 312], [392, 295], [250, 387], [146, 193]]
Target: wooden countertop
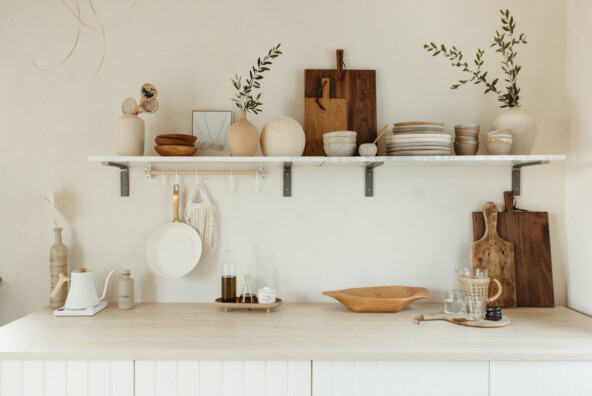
[[295, 331]]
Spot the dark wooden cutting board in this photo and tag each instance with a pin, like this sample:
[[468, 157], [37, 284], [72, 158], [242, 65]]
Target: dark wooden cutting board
[[495, 254], [358, 87], [529, 231]]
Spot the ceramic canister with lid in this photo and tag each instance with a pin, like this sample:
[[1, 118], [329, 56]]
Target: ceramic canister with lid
[[266, 295]]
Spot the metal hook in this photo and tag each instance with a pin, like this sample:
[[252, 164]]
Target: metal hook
[[163, 178], [176, 176], [231, 181], [196, 177], [257, 182]]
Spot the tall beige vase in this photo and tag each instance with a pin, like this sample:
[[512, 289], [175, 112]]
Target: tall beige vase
[[243, 137], [129, 138], [58, 262], [523, 126]]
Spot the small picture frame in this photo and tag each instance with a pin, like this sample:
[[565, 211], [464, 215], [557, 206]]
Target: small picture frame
[[211, 128]]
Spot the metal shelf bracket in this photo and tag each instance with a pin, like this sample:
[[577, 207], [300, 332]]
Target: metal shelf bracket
[[123, 177], [287, 189], [516, 170], [369, 178]]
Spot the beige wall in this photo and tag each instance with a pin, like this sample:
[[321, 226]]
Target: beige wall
[[416, 229], [579, 169]]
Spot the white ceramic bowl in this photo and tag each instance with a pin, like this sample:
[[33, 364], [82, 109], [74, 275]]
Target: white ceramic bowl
[[472, 126], [368, 150], [340, 149], [339, 139], [349, 134], [498, 147]]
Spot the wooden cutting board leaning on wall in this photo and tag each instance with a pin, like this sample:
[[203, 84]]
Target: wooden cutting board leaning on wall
[[529, 231], [357, 87], [496, 255]]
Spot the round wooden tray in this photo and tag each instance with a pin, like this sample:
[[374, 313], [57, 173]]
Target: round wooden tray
[[461, 321], [237, 305]]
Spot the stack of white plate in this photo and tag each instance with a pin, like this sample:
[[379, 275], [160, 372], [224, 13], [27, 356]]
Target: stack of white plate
[[418, 138]]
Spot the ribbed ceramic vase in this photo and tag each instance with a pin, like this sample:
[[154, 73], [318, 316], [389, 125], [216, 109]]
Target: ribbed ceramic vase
[[129, 138], [58, 262], [523, 126], [243, 137]]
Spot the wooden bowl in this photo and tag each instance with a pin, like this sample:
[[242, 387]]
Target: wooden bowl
[[175, 151], [378, 299], [160, 141], [187, 138]]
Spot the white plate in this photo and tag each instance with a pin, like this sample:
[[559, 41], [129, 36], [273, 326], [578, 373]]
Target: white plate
[[412, 148], [419, 128], [418, 135], [421, 152], [173, 250], [419, 142]]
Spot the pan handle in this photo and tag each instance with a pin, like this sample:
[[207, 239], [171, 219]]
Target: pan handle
[[176, 203]]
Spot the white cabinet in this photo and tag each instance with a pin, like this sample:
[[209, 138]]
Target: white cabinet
[[391, 378], [541, 378], [66, 377], [223, 378]]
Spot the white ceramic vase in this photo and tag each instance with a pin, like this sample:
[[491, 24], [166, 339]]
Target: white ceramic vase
[[243, 137], [523, 126], [129, 138], [282, 137]]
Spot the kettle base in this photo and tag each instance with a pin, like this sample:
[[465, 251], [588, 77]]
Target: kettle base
[[90, 311]]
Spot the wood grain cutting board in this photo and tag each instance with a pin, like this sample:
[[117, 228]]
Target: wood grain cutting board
[[358, 87], [529, 231], [323, 115], [497, 256]]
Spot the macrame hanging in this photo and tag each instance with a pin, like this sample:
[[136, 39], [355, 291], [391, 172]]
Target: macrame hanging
[[200, 215]]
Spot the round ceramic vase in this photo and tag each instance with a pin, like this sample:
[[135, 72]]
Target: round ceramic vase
[[523, 126], [243, 137], [129, 138], [282, 137]]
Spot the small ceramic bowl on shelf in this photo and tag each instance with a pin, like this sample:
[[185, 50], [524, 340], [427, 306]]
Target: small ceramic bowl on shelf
[[340, 149], [471, 130], [498, 146], [466, 148], [367, 150]]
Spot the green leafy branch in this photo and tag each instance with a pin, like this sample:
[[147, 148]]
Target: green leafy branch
[[244, 98], [504, 43]]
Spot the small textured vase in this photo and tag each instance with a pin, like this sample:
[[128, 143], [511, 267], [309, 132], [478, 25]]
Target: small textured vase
[[282, 137], [523, 126], [243, 137], [129, 138], [58, 262]]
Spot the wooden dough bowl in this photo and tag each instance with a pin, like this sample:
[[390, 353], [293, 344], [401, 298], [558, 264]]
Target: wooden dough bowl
[[378, 299]]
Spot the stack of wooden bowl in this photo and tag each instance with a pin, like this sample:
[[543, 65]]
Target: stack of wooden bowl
[[175, 145], [466, 141]]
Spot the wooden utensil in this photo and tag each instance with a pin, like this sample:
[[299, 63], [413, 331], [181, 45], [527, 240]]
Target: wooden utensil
[[463, 322], [323, 115], [378, 299], [358, 87], [497, 256], [148, 93], [529, 231], [380, 134]]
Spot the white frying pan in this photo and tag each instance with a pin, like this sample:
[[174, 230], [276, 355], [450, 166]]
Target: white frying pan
[[174, 249]]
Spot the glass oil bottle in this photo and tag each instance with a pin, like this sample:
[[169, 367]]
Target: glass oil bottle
[[228, 279]]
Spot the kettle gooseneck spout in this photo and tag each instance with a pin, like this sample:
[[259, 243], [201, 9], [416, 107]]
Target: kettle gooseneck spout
[[106, 284]]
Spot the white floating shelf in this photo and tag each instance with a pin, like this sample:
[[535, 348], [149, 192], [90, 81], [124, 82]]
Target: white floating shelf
[[259, 163]]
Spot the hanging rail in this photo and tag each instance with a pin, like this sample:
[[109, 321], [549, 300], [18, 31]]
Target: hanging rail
[[154, 172]]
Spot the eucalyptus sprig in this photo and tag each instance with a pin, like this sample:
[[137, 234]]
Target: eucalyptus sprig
[[504, 44], [244, 99]]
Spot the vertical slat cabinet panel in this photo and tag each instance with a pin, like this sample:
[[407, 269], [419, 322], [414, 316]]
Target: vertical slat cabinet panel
[[541, 378], [212, 377], [77, 377], [167, 378], [33, 377], [99, 381], [11, 377], [300, 377], [278, 378], [234, 377], [255, 378], [400, 378], [122, 378], [55, 378], [145, 377], [189, 378]]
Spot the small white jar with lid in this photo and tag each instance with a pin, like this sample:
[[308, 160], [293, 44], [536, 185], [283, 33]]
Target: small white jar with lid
[[266, 295]]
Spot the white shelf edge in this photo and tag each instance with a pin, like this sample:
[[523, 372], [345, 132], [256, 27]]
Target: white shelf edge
[[477, 159]]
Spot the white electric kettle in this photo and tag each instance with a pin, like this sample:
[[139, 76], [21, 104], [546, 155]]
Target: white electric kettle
[[82, 294]]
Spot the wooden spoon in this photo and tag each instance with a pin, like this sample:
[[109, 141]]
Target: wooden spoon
[[380, 134], [149, 93]]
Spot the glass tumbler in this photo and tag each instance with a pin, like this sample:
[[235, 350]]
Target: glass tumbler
[[474, 308], [453, 303]]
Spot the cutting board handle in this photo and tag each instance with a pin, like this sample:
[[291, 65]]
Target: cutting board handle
[[509, 201], [326, 88], [490, 216]]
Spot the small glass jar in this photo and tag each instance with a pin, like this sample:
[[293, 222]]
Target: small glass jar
[[266, 295]]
